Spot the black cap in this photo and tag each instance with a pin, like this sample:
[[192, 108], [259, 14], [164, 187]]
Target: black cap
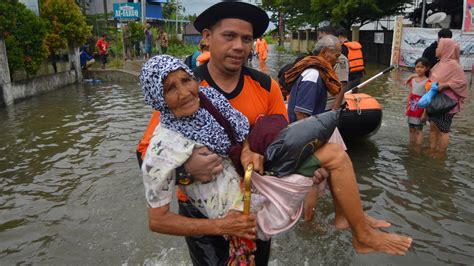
[[233, 9]]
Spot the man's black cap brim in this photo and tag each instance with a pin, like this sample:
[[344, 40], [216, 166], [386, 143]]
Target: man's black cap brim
[[228, 9]]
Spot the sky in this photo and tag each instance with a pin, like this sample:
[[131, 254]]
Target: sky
[[196, 6]]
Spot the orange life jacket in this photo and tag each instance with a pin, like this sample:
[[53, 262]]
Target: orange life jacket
[[356, 59]]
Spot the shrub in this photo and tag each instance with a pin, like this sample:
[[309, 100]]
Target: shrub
[[179, 49], [66, 20], [24, 35]]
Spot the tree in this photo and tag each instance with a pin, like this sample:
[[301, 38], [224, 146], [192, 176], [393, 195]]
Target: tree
[[285, 13], [24, 35], [66, 24], [170, 8], [349, 12], [342, 12], [66, 21]]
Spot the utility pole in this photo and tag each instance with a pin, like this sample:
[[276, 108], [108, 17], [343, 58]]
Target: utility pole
[[142, 2], [423, 14], [177, 11], [105, 10]]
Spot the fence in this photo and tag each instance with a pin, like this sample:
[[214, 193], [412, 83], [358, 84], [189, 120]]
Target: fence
[[376, 46]]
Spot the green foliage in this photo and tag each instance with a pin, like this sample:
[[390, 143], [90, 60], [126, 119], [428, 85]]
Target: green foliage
[[180, 50], [116, 44], [170, 8], [269, 39], [66, 20], [281, 48], [24, 35], [136, 29], [342, 12]]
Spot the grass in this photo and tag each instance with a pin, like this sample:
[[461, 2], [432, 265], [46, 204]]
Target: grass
[[115, 62], [281, 48]]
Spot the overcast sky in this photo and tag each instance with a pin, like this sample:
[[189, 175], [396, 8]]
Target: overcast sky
[[196, 6]]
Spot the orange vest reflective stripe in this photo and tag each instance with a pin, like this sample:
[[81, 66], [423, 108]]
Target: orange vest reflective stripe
[[356, 59]]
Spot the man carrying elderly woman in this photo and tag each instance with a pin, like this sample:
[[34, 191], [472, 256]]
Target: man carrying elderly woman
[[229, 28]]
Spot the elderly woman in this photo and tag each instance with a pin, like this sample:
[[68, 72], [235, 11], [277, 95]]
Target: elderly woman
[[452, 82]]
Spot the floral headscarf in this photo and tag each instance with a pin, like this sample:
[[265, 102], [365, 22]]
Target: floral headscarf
[[201, 126]]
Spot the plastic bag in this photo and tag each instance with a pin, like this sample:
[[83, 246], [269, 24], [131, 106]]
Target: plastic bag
[[297, 142], [428, 97], [440, 105]]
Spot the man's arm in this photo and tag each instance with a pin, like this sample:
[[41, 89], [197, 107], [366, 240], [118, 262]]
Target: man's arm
[[275, 102], [300, 115], [339, 97], [161, 220]]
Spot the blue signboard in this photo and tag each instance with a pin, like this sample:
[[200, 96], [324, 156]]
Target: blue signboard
[[127, 11]]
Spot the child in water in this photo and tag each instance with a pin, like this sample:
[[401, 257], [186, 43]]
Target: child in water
[[416, 116]]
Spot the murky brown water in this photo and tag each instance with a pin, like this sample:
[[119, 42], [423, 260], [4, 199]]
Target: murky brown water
[[71, 191]]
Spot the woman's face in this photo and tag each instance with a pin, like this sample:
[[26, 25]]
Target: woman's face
[[437, 52], [181, 93]]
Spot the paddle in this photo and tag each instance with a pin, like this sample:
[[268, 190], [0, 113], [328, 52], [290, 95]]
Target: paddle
[[388, 69]]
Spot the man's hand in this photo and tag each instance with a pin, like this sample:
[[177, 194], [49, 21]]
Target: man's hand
[[203, 164], [237, 224], [249, 156]]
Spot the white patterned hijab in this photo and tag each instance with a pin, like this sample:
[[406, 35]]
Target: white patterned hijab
[[200, 126]]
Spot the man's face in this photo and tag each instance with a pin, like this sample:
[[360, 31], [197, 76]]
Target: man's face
[[230, 42], [331, 54]]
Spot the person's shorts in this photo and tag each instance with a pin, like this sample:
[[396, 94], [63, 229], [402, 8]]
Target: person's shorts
[[415, 126], [103, 59], [308, 167], [442, 122], [148, 48]]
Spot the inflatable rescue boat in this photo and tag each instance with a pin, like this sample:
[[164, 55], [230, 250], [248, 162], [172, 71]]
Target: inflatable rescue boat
[[360, 117]]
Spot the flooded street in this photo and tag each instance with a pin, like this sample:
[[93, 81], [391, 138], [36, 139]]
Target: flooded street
[[71, 191]]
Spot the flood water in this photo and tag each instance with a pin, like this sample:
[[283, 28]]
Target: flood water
[[71, 191]]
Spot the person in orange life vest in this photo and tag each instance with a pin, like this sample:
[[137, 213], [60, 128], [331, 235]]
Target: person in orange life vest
[[205, 54], [353, 52], [229, 28], [103, 47], [261, 48]]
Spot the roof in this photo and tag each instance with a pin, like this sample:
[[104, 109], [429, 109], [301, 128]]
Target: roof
[[189, 29]]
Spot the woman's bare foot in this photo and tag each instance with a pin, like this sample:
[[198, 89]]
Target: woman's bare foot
[[341, 222], [377, 241]]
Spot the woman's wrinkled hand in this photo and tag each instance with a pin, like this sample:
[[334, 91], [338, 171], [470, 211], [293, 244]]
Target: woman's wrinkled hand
[[239, 225], [249, 156], [203, 164]]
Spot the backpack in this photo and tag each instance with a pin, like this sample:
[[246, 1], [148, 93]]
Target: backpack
[[188, 61]]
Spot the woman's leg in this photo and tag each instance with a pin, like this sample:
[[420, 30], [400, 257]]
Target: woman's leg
[[434, 136], [443, 141], [346, 193]]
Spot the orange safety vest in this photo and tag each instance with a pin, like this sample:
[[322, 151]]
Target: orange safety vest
[[356, 59]]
